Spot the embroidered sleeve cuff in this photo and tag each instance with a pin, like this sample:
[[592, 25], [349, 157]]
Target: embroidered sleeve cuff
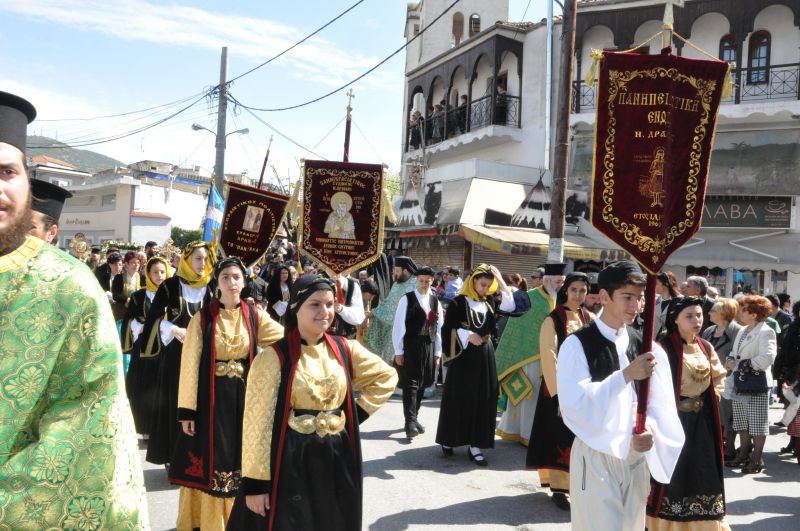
[[186, 414], [252, 486]]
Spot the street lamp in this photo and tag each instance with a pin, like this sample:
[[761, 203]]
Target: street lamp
[[219, 164]]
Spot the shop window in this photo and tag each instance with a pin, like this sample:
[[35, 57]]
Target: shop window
[[727, 48], [458, 28], [779, 281], [758, 62], [474, 24]]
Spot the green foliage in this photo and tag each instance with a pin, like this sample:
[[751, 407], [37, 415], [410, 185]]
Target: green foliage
[[182, 237]]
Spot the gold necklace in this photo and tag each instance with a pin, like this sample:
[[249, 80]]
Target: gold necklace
[[233, 342]]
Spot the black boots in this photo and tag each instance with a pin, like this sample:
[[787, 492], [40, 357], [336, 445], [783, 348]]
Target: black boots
[[410, 412]]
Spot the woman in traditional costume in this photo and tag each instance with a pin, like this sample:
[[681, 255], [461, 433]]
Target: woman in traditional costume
[[301, 458], [221, 342], [549, 451], [695, 497], [278, 291], [176, 301], [469, 402], [143, 372]]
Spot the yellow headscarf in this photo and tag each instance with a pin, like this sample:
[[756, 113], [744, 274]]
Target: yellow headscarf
[[468, 288], [149, 283], [185, 270]]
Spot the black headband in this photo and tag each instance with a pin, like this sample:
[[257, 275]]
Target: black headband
[[302, 289], [227, 262], [676, 307]]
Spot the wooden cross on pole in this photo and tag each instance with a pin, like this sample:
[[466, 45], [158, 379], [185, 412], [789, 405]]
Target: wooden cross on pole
[[350, 95], [669, 20]]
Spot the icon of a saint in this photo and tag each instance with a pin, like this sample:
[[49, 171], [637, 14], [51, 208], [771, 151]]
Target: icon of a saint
[[340, 222]]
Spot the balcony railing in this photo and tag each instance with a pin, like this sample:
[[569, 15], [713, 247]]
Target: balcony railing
[[778, 82], [441, 126]]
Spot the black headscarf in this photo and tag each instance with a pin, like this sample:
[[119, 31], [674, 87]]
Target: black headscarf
[[301, 290], [227, 262], [677, 307], [561, 297]]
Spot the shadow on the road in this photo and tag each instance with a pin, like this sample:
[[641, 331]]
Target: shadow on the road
[[778, 469], [501, 510], [155, 479], [766, 504], [776, 523]]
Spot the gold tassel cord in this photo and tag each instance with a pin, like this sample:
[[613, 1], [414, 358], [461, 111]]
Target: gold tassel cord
[[728, 84], [597, 56]]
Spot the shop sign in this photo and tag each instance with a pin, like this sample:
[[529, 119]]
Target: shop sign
[[749, 212]]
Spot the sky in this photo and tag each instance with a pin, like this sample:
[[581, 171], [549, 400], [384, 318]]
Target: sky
[[80, 60]]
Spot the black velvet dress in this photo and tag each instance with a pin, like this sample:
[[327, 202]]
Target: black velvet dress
[[468, 412], [142, 372]]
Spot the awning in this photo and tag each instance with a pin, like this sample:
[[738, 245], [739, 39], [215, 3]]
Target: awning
[[534, 241], [765, 250]]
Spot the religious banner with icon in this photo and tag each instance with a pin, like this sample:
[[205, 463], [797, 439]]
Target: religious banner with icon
[[342, 215], [251, 218], [656, 118]]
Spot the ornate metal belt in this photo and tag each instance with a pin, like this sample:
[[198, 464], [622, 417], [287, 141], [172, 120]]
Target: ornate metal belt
[[322, 423], [690, 405], [231, 369]]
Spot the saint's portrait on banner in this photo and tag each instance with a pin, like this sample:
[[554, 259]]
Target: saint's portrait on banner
[[252, 219], [340, 222]]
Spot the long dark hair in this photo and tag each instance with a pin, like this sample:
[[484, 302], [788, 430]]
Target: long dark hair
[[274, 287]]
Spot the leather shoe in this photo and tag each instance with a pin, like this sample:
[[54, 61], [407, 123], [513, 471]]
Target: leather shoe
[[411, 430], [420, 427], [478, 459], [447, 451], [561, 501]]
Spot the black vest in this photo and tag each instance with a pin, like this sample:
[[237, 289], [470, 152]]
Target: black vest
[[601, 354], [417, 318]]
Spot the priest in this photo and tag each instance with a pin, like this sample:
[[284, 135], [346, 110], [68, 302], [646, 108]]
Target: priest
[[379, 337], [68, 454], [518, 358], [47, 203]]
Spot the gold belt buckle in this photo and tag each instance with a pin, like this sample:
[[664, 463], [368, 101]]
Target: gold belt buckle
[[691, 405], [231, 369], [322, 423]]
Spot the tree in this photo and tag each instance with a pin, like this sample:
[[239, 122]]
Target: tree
[[182, 237]]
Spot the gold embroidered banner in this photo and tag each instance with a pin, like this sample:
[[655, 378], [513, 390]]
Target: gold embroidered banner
[[656, 117], [342, 215], [251, 218]]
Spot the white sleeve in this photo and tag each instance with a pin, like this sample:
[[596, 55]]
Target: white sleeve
[[599, 413], [136, 329], [507, 304], [463, 336], [165, 330], [354, 313], [399, 326], [663, 421], [437, 346]]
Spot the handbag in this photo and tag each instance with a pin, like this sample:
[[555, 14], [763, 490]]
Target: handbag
[[749, 381]]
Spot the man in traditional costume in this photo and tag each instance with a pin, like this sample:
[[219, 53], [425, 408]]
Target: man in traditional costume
[[549, 451], [518, 365], [350, 312], [47, 203], [417, 338], [379, 337], [597, 367], [68, 456]]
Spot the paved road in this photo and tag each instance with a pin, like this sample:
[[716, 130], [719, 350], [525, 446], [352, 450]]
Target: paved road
[[412, 486]]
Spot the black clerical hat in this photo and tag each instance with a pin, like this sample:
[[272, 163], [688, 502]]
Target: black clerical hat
[[406, 263], [15, 115], [554, 269], [48, 198]]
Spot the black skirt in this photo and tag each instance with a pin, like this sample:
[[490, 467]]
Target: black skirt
[[550, 448], [696, 491], [140, 385], [164, 427], [318, 488], [468, 412]]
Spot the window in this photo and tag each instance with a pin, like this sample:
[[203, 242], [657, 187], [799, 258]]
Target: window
[[458, 28], [727, 49], [109, 200], [758, 63], [416, 29], [474, 24]]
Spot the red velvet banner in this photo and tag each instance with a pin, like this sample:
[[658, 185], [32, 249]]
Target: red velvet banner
[[342, 214], [656, 117], [251, 218]]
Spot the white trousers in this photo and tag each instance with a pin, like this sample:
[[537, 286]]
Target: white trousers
[[607, 493], [516, 423]]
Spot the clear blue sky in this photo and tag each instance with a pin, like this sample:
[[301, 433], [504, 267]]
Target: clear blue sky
[[87, 58]]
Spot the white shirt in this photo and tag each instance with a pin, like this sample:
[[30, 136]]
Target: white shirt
[[136, 326], [602, 414], [506, 305], [353, 314], [399, 327], [189, 294]]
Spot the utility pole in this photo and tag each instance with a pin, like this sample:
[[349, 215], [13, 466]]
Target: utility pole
[[558, 202], [222, 113], [350, 96]]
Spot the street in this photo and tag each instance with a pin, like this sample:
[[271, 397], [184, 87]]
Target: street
[[413, 486]]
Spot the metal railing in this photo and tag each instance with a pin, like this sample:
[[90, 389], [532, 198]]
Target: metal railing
[[456, 121], [777, 82]]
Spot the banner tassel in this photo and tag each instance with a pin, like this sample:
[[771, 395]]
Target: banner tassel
[[591, 74], [387, 205], [728, 84]]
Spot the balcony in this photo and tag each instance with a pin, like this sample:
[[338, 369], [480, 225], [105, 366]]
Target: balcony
[[443, 126], [772, 83]]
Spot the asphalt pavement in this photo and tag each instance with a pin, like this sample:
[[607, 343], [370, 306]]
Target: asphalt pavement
[[412, 486]]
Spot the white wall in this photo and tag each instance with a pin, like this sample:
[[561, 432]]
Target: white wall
[[707, 31], [146, 229], [778, 20], [595, 38], [185, 209], [647, 30]]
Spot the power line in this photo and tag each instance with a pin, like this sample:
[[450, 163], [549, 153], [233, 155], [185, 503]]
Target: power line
[[298, 43], [368, 142], [171, 104], [359, 78], [329, 132]]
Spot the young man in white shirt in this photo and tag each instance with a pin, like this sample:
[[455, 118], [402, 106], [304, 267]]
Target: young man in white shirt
[[596, 374]]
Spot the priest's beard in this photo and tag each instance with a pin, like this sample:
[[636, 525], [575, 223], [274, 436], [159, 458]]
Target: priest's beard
[[552, 292], [20, 223]]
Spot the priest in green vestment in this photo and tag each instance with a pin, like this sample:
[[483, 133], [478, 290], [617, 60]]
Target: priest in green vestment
[[379, 336], [68, 452], [517, 358]]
